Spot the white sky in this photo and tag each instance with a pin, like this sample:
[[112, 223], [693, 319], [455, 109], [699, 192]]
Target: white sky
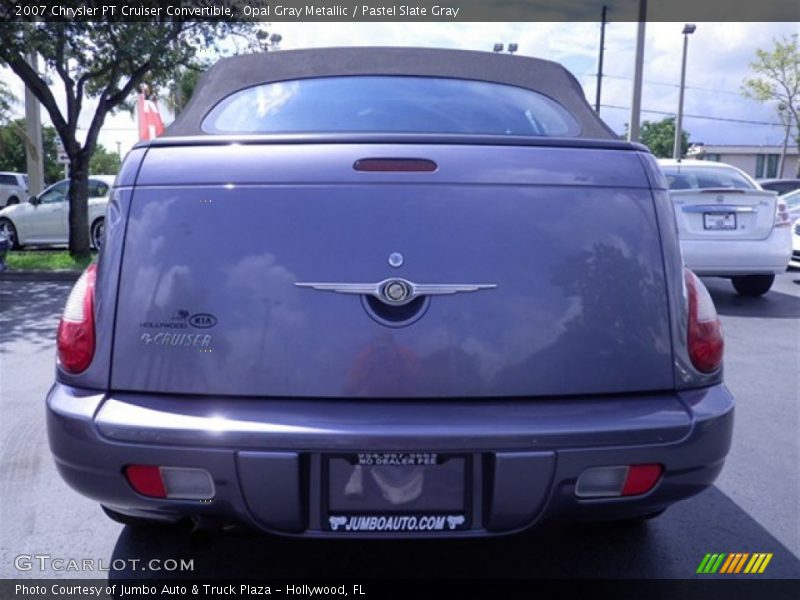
[[718, 59]]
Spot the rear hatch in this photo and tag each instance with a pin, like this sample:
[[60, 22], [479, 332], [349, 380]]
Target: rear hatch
[[724, 214], [218, 236]]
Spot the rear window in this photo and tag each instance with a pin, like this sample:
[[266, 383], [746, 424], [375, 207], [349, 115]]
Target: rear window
[[687, 178], [390, 105]]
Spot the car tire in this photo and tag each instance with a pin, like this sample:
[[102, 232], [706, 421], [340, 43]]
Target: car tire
[[7, 227], [97, 231], [12, 200], [753, 285], [133, 521]]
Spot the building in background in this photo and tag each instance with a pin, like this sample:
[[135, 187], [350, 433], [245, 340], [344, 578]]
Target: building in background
[[756, 161]]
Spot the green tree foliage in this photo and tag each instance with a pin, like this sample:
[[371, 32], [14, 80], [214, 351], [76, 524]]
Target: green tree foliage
[[659, 136], [104, 162], [12, 150], [183, 84], [105, 62], [7, 101], [776, 81]]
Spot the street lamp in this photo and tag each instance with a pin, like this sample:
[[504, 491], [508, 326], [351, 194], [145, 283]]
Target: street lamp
[[511, 48], [688, 29]]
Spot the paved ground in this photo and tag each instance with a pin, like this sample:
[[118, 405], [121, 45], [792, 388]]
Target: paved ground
[[754, 506]]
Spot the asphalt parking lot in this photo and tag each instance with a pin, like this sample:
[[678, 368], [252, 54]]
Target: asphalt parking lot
[[753, 507]]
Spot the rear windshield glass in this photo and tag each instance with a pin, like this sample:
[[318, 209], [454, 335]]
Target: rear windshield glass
[[390, 104], [687, 178]]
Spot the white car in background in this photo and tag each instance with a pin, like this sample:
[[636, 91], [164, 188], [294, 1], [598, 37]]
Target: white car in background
[[728, 226], [13, 188], [44, 219], [792, 200]]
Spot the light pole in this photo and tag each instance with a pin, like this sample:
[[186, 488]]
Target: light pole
[[638, 68], [603, 22], [500, 47], [688, 29]]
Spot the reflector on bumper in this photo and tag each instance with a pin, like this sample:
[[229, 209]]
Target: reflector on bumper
[[619, 480], [175, 483]]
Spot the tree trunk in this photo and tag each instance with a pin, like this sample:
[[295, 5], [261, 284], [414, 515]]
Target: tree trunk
[[79, 206]]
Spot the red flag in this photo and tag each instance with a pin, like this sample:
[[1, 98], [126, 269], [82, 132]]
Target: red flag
[[150, 123]]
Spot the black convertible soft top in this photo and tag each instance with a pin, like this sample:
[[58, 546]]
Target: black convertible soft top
[[230, 75]]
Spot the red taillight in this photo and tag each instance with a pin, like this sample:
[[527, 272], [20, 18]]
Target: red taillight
[[641, 479], [705, 341], [76, 329], [146, 479], [782, 217]]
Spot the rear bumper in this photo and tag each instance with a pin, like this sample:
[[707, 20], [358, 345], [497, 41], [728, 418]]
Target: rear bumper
[[266, 456], [737, 257]]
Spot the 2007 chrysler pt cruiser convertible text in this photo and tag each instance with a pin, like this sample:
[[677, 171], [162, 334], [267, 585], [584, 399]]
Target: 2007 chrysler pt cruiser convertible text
[[389, 292]]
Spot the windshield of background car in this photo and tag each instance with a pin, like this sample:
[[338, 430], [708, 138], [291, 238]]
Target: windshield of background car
[[97, 188], [687, 178], [56, 193], [392, 104]]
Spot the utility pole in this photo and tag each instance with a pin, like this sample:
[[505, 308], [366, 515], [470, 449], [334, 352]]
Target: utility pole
[[677, 153], [636, 101], [786, 119], [600, 61], [34, 154]]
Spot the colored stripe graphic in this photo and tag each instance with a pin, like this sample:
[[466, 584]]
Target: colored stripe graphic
[[703, 563], [740, 564], [754, 563], [764, 564], [727, 564], [733, 563], [713, 567], [733, 557]]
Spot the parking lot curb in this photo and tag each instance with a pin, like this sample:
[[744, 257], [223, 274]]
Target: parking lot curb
[[60, 275]]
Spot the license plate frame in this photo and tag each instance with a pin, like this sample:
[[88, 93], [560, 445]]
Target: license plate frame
[[403, 519], [719, 221]]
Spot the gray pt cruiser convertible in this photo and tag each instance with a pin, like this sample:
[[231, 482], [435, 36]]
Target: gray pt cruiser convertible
[[389, 292]]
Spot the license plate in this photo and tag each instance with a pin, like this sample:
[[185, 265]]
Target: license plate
[[719, 221], [417, 492]]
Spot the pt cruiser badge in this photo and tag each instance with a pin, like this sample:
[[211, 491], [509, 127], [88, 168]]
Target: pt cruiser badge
[[398, 292]]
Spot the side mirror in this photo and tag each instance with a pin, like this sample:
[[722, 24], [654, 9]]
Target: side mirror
[[33, 200]]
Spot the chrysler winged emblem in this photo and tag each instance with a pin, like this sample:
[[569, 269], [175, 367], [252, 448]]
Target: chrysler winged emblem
[[396, 291]]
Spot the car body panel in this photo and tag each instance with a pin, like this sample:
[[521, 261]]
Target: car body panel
[[732, 258], [728, 231], [267, 460], [270, 337], [753, 210]]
